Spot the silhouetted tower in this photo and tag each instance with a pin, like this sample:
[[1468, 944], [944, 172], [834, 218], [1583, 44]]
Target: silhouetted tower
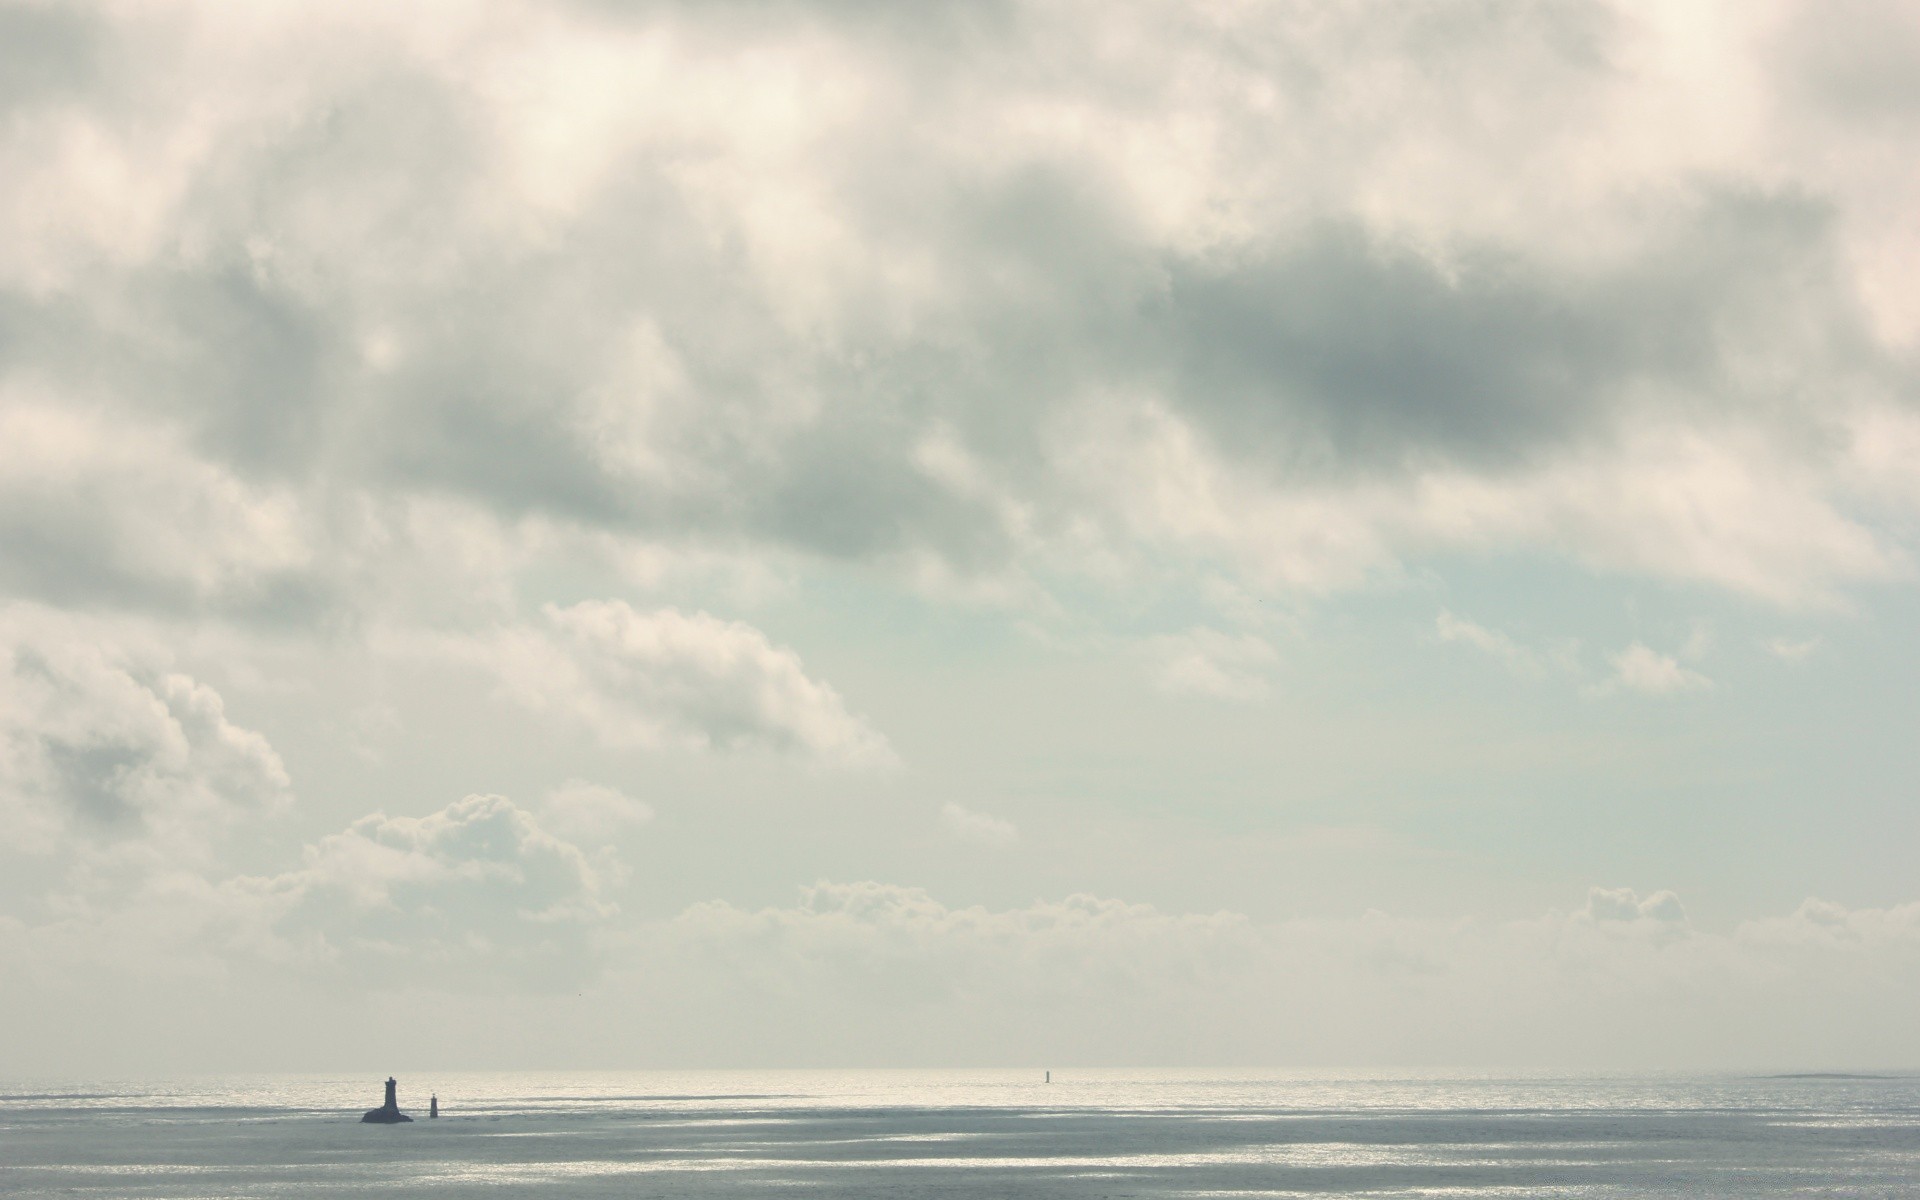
[[433, 1106], [388, 1113]]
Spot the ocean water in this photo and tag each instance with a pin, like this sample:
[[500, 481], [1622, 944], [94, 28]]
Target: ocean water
[[968, 1133]]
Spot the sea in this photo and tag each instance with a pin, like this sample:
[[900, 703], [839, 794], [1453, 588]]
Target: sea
[[989, 1133]]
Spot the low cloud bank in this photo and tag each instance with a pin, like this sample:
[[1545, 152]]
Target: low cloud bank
[[1623, 980], [476, 912]]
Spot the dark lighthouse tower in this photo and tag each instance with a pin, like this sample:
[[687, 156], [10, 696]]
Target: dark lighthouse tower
[[388, 1113]]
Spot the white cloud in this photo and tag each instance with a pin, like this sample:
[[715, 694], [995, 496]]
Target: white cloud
[[591, 812], [1641, 669], [1624, 904], [1207, 662], [1823, 924], [666, 678], [1518, 659], [965, 823], [476, 891], [1792, 649], [104, 744]]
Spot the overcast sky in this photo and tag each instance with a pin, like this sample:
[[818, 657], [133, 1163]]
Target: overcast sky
[[1262, 532]]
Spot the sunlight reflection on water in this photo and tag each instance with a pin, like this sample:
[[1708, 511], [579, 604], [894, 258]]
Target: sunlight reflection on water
[[966, 1133]]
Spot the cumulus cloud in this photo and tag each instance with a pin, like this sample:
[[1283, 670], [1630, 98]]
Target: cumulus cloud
[[667, 678], [104, 744], [476, 891], [1624, 904]]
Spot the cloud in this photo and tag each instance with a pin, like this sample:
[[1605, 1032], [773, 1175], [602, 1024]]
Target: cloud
[[1792, 650], [591, 812], [879, 943], [1624, 904], [96, 505], [1824, 924], [476, 892], [1207, 662], [666, 678], [1640, 669], [1518, 659], [478, 913], [365, 255], [105, 745], [1626, 978], [974, 826]]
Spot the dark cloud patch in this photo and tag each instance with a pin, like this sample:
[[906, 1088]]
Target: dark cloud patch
[[250, 367], [78, 552], [1362, 352], [853, 491], [246, 367], [1347, 352]]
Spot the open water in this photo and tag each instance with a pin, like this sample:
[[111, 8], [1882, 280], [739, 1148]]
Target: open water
[[969, 1133]]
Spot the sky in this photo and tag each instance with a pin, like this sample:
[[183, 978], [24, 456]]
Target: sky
[[626, 533]]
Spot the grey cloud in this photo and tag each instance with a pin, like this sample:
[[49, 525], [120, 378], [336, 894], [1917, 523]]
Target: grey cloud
[[381, 286], [1345, 352], [105, 746], [94, 506], [48, 52], [1856, 59]]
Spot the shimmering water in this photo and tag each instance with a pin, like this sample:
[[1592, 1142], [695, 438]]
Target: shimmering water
[[969, 1133]]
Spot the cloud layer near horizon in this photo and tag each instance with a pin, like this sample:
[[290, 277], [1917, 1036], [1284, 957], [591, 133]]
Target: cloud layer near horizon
[[478, 903]]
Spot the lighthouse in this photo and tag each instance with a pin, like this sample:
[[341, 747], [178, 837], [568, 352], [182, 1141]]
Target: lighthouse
[[388, 1113]]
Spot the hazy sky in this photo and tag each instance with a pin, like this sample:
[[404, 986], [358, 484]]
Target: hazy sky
[[1268, 532]]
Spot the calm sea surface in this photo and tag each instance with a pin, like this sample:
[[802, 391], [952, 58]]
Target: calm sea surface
[[968, 1133]]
